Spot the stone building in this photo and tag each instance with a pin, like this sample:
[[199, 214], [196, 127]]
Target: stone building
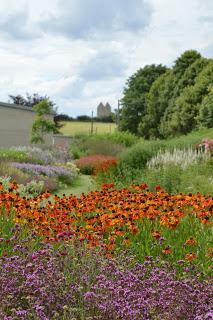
[[16, 124], [103, 110]]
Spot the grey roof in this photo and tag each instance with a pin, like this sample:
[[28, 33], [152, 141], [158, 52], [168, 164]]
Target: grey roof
[[16, 106]]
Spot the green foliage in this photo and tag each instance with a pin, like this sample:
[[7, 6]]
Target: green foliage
[[162, 104], [172, 174], [126, 139], [42, 125], [16, 174], [31, 189], [182, 118], [205, 116], [156, 104], [13, 155], [137, 156], [105, 143], [134, 100]]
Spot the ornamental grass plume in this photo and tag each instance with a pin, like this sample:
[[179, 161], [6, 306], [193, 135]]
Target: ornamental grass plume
[[183, 158]]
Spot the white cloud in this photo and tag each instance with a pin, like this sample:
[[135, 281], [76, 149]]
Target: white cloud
[[81, 52]]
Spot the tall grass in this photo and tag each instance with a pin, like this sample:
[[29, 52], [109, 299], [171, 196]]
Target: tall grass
[[139, 154], [174, 164]]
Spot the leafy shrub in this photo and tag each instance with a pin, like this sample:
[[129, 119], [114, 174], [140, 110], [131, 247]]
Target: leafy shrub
[[49, 183], [104, 147], [31, 189], [16, 174], [13, 155], [137, 156], [123, 138], [44, 156], [5, 181], [107, 144]]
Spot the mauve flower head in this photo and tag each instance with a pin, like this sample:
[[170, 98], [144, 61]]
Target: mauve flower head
[[45, 284]]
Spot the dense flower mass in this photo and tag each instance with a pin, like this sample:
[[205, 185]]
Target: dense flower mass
[[156, 223], [37, 169], [72, 283], [94, 163]]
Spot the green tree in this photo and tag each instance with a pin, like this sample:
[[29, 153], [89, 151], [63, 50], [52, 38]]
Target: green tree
[[187, 67], [205, 116], [42, 125], [186, 109], [134, 100], [156, 103]]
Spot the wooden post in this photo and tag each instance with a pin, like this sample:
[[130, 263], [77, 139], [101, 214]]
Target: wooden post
[[92, 123], [118, 115]]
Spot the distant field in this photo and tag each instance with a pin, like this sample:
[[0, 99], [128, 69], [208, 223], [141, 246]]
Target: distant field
[[72, 128]]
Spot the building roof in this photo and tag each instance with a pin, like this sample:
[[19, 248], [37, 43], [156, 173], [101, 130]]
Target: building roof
[[16, 106]]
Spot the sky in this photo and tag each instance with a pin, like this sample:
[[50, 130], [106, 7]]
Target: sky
[[81, 52]]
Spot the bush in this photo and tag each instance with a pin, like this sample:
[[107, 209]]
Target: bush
[[8, 173], [44, 156], [138, 155], [16, 174], [123, 138], [108, 144], [87, 165], [13, 155], [104, 147]]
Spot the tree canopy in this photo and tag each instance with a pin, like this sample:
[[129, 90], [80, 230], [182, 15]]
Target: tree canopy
[[160, 102], [134, 100]]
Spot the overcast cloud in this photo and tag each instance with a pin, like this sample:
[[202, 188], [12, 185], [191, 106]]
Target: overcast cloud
[[81, 52]]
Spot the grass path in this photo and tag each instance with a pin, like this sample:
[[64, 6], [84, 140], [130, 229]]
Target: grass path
[[84, 183]]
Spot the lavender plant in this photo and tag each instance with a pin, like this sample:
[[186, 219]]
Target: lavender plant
[[50, 171]]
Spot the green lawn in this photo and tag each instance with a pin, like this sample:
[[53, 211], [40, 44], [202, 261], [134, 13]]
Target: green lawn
[[72, 128], [83, 184]]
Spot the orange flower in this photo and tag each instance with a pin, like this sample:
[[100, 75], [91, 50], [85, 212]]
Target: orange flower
[[191, 242], [190, 256], [156, 234], [210, 253], [126, 241], [167, 250]]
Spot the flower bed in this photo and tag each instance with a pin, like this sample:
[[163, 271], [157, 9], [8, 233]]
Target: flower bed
[[174, 227], [72, 283], [89, 164]]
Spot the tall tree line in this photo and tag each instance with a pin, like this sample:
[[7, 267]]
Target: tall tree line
[[161, 102]]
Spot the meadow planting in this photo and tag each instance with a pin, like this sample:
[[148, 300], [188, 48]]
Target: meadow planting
[[111, 254], [139, 247]]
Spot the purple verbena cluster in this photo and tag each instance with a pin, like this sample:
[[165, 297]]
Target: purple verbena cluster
[[37, 169], [148, 292], [56, 284]]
